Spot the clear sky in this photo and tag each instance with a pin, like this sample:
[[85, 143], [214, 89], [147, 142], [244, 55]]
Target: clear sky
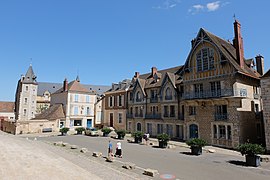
[[106, 41]]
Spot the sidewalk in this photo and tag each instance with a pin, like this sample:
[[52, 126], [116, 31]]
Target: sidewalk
[[21, 158]]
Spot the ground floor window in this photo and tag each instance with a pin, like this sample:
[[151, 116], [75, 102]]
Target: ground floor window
[[139, 127], [222, 131], [159, 128], [169, 129], [129, 126], [149, 128], [77, 122], [120, 117]]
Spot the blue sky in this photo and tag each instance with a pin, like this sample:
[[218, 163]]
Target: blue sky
[[105, 41]]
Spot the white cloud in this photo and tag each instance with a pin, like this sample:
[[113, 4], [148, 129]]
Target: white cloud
[[213, 6], [167, 4], [198, 7], [209, 7]]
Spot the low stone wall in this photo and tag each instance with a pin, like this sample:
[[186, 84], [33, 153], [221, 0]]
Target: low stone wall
[[36, 126], [9, 126]]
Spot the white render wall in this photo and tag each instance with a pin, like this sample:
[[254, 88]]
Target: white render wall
[[30, 104]]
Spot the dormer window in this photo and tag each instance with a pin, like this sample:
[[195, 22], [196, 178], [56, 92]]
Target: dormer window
[[138, 97], [168, 94], [205, 59]]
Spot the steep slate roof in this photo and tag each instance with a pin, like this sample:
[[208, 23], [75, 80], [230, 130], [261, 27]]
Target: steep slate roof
[[230, 52], [147, 81], [55, 111], [7, 106], [120, 86], [267, 74], [53, 87], [30, 76]]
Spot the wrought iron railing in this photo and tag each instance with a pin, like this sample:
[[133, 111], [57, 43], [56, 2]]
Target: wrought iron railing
[[219, 117], [215, 94], [153, 116]]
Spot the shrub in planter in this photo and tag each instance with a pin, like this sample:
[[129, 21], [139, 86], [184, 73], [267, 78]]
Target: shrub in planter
[[106, 131], [196, 145], [251, 152], [137, 136], [64, 131], [80, 130], [163, 140], [121, 133]]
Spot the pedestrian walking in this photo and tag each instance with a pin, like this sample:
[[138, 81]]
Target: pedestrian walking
[[118, 149], [110, 150]]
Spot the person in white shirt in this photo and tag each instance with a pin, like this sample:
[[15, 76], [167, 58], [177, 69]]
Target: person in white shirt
[[118, 149]]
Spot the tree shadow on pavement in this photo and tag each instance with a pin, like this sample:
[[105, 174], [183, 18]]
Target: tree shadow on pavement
[[188, 153], [238, 163]]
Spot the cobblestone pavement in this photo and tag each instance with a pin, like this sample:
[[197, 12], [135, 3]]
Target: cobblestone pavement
[[22, 158]]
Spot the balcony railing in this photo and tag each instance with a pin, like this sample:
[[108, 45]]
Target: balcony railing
[[216, 94], [130, 115], [219, 117], [153, 100], [138, 115], [153, 116]]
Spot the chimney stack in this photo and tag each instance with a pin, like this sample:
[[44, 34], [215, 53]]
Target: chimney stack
[[65, 85], [154, 70], [260, 64], [238, 44], [137, 74]]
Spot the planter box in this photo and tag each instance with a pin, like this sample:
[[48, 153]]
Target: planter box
[[196, 150], [162, 144], [138, 139], [253, 160]]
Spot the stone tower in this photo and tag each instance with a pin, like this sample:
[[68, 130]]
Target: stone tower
[[25, 98]]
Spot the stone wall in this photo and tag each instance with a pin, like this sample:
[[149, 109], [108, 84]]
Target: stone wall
[[265, 85]]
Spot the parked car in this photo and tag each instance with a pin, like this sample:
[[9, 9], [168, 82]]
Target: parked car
[[91, 131]]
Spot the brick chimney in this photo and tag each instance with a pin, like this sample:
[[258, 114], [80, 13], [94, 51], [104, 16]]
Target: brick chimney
[[238, 44], [137, 74], [65, 85], [153, 71], [260, 64]]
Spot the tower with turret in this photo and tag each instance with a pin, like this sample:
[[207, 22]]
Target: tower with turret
[[26, 94]]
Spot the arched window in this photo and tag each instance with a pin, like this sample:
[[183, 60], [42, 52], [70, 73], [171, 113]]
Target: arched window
[[205, 59], [193, 131], [139, 127], [168, 94], [138, 96]]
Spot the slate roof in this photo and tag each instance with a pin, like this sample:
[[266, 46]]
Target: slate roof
[[148, 81], [30, 76], [53, 87], [55, 111], [230, 52], [267, 74], [123, 85], [7, 106]]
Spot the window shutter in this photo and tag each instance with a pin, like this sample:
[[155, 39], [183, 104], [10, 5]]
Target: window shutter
[[112, 100]]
